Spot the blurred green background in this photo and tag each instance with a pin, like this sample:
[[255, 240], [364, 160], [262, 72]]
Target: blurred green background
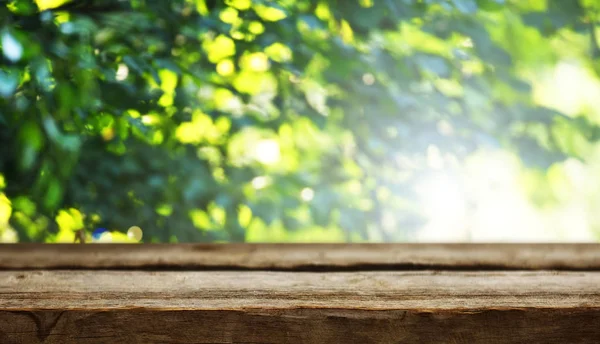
[[300, 121]]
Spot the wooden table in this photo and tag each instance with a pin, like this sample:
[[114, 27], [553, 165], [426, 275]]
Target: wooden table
[[367, 293]]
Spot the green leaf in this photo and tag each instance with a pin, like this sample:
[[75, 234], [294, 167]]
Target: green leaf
[[53, 195]]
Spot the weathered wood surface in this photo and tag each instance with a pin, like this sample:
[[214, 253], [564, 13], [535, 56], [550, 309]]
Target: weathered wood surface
[[303, 256], [396, 293], [423, 290], [79, 306], [300, 326]]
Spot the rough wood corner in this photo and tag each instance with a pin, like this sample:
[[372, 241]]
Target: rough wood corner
[[300, 293]]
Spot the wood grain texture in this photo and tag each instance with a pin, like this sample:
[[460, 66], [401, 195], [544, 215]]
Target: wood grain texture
[[398, 293], [298, 257], [234, 290], [300, 326], [82, 306]]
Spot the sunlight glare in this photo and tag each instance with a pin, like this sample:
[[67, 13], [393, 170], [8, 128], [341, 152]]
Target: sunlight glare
[[442, 197], [267, 152], [570, 88]]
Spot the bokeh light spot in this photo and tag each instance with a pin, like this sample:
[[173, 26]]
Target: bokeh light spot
[[135, 233], [368, 79], [260, 182], [122, 72], [307, 194]]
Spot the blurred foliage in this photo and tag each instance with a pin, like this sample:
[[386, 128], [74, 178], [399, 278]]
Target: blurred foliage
[[240, 120]]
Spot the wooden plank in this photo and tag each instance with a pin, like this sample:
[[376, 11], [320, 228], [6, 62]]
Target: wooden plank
[[69, 306], [302, 256], [300, 326], [218, 290]]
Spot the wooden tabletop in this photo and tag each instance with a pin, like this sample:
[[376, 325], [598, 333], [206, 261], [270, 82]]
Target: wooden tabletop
[[298, 257], [299, 294]]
